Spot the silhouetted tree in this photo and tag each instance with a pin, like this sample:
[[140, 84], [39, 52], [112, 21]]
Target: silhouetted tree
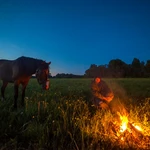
[[92, 71], [147, 68], [117, 68], [136, 68], [103, 70], [63, 75]]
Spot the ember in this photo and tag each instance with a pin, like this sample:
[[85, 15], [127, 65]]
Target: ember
[[137, 127], [125, 128], [130, 133], [124, 124]]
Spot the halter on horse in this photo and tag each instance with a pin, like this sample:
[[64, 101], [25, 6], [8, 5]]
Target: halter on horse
[[19, 71]]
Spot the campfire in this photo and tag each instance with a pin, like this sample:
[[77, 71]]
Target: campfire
[[125, 124], [129, 133]]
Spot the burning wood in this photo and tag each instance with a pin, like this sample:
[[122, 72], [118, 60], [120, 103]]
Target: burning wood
[[130, 133], [126, 125]]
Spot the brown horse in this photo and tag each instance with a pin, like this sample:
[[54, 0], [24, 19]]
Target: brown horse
[[19, 71]]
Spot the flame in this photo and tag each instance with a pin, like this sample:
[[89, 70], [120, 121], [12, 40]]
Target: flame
[[122, 138], [124, 123], [137, 127]]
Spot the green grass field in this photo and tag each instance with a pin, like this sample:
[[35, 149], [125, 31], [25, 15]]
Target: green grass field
[[64, 118]]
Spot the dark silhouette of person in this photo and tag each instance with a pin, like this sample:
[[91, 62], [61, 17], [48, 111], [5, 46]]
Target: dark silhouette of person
[[102, 95]]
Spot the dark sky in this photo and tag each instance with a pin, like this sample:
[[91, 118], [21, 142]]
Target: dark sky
[[73, 34]]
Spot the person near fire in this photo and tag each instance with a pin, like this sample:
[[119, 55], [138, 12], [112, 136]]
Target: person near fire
[[102, 95]]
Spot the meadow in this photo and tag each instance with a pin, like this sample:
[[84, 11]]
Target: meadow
[[63, 118]]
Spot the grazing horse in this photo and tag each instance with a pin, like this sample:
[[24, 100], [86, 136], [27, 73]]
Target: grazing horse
[[19, 71]]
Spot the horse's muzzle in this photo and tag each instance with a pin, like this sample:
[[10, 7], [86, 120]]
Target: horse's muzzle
[[46, 85]]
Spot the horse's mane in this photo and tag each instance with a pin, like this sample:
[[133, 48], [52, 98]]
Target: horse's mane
[[24, 58], [28, 64]]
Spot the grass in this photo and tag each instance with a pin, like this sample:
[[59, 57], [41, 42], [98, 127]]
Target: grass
[[64, 118]]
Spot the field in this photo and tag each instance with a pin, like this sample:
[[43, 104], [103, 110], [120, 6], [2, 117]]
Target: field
[[63, 118]]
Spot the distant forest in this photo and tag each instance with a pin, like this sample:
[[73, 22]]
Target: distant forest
[[115, 69]]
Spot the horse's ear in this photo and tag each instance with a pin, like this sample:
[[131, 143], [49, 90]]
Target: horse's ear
[[49, 63]]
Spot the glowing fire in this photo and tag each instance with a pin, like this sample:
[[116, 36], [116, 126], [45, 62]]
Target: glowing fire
[[137, 127], [124, 123], [128, 133]]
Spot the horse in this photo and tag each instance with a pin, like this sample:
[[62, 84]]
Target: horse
[[19, 71]]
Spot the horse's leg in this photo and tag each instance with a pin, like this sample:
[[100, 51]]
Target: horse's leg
[[16, 85], [24, 85], [3, 89]]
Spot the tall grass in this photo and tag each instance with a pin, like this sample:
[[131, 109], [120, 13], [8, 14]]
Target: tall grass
[[64, 117]]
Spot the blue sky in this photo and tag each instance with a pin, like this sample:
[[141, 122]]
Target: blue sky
[[73, 34]]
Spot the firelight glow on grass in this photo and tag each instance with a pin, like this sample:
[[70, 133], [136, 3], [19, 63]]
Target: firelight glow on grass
[[63, 117]]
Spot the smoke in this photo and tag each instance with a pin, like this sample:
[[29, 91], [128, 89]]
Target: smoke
[[120, 100]]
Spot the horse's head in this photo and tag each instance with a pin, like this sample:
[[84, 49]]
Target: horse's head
[[42, 74]]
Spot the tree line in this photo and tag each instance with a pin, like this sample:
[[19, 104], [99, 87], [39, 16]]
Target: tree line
[[116, 68], [66, 75], [119, 69]]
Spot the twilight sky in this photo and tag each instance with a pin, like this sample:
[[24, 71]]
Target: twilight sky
[[73, 34]]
